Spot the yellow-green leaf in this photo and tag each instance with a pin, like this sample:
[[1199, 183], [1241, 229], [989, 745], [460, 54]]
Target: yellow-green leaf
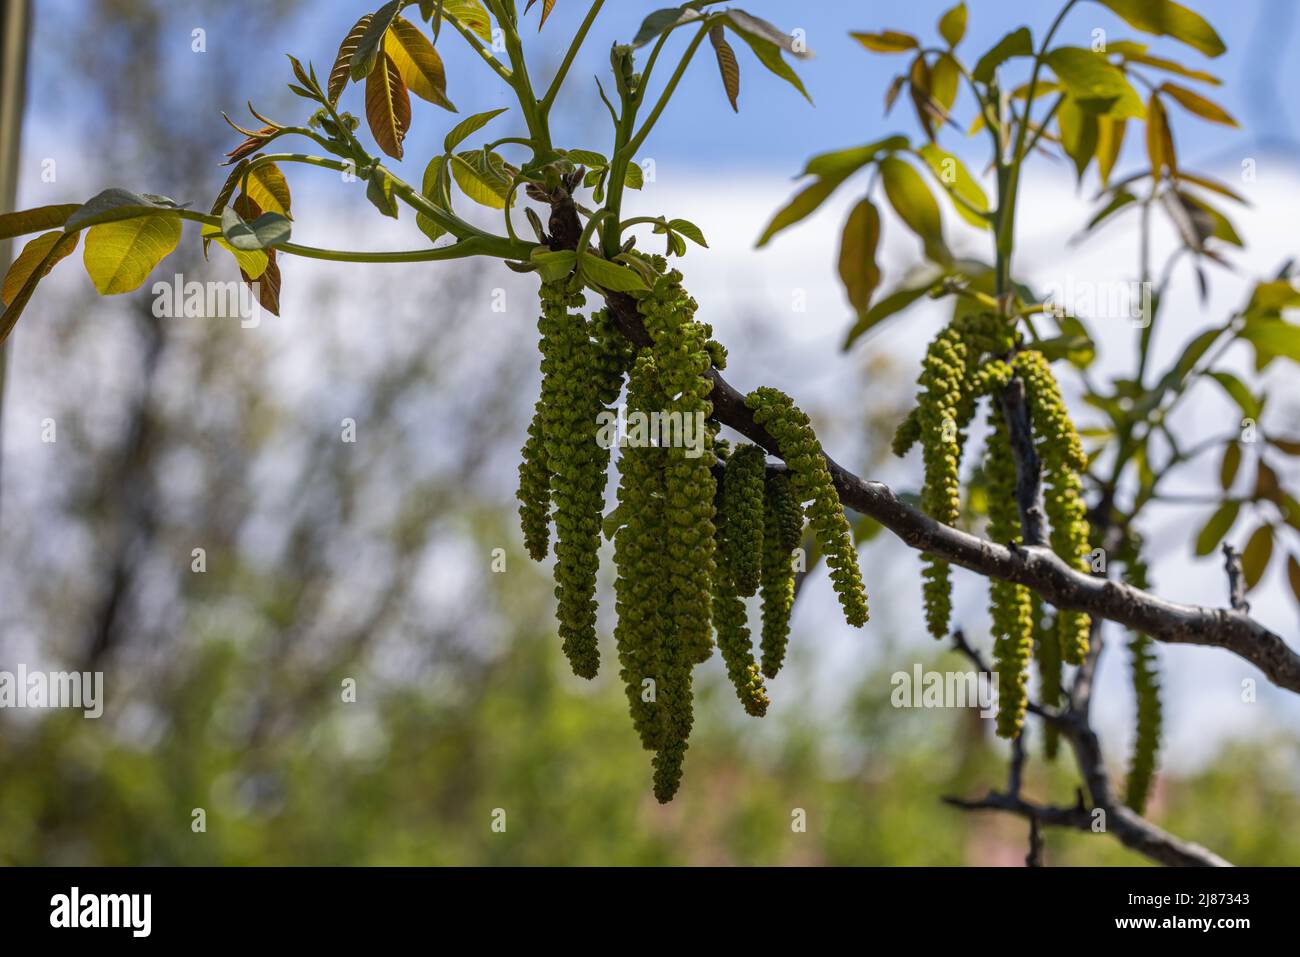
[[1016, 43], [804, 204], [1256, 554], [418, 63], [1110, 139], [252, 262], [60, 248], [1216, 527], [1094, 82], [1193, 102], [952, 25], [342, 68], [34, 220], [1229, 466], [41, 253], [484, 181], [1079, 134], [957, 180], [887, 41], [268, 188], [1168, 19], [1160, 139], [915, 205], [857, 263], [471, 14], [120, 255]]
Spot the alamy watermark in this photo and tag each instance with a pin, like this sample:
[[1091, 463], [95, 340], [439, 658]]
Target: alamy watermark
[[1128, 301], [919, 688], [178, 299], [641, 430], [53, 689]]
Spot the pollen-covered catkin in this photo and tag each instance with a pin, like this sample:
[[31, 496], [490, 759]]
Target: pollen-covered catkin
[[811, 480], [679, 349], [782, 528], [1063, 459], [729, 614], [570, 403], [1009, 603], [743, 483], [535, 491], [1047, 656], [655, 669], [1145, 671]]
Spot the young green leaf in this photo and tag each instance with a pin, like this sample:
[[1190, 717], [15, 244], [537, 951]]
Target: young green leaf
[[472, 14], [547, 7], [112, 205], [388, 107], [1080, 134], [435, 189], [468, 126], [553, 265], [1017, 43], [1168, 19], [839, 164], [1255, 556], [418, 63], [1230, 465], [915, 205], [1110, 139], [957, 180], [887, 41], [857, 264], [603, 274], [689, 230], [1160, 138], [1193, 102], [803, 205], [1237, 391], [267, 187], [485, 180], [952, 25], [120, 255], [379, 190], [1217, 526], [588, 158], [767, 52], [890, 305], [1096, 84]]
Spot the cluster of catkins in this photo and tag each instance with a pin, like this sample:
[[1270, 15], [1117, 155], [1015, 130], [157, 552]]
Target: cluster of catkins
[[699, 530], [974, 357]]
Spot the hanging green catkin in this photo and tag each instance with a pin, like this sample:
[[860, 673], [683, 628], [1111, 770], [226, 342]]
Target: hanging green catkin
[[1009, 604], [535, 491], [729, 615], [655, 668], [743, 484], [571, 402], [682, 359], [811, 480], [782, 528], [1145, 671], [1047, 656], [1063, 459]]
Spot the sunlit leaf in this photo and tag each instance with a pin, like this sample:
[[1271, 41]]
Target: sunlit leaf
[[1017, 43], [1169, 66], [803, 205], [1079, 134], [553, 265], [952, 25], [547, 7], [34, 220], [112, 205], [1193, 102], [915, 205], [268, 188], [18, 302], [483, 179], [472, 14], [857, 263], [607, 275], [767, 52], [889, 306], [1160, 139], [468, 126], [120, 255], [1273, 337], [435, 189], [41, 253], [952, 173], [1095, 84], [418, 63], [887, 41], [261, 232], [689, 230], [388, 107], [1168, 19], [1110, 140], [842, 163]]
